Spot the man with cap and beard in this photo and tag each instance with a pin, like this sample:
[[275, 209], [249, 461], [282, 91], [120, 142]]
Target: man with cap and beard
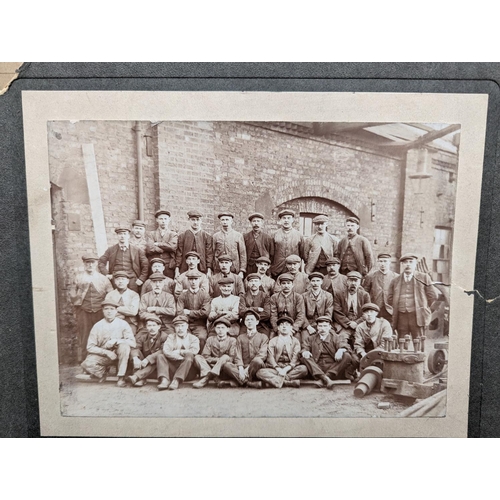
[[149, 344], [251, 352], [320, 247], [176, 362], [282, 365], [138, 236], [225, 266], [287, 241], [219, 350], [411, 295], [326, 354], [227, 241], [162, 242], [158, 266], [158, 302], [257, 242], [354, 251], [377, 284], [127, 300], [194, 239], [109, 343], [266, 282], [334, 282], [287, 303], [226, 306], [127, 258], [371, 333], [88, 291], [257, 300]]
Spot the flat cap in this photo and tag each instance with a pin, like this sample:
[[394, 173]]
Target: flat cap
[[352, 219], [253, 276], [319, 219], [152, 317], [384, 256], [370, 307], [157, 277], [226, 281], [89, 256], [256, 214], [354, 274], [122, 229], [224, 321], [192, 253], [334, 260], [109, 302], [180, 319], [162, 212], [225, 257], [225, 214], [157, 260], [139, 222], [120, 274], [194, 214], [408, 256], [284, 318], [193, 273], [316, 275], [285, 277], [286, 212], [251, 310], [293, 259], [324, 319], [267, 260]]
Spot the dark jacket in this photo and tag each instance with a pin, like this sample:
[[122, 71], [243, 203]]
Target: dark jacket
[[264, 242], [341, 309], [323, 307], [185, 244], [313, 344], [361, 249], [139, 261]]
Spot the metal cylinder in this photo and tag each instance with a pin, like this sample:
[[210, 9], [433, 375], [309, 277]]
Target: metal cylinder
[[370, 379], [401, 344], [422, 343], [416, 344], [407, 342], [386, 344], [389, 345]]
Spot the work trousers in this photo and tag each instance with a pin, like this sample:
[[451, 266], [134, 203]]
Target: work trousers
[[333, 370], [272, 377], [181, 369], [98, 364], [86, 320], [205, 367], [384, 314], [232, 370], [199, 331], [407, 324]]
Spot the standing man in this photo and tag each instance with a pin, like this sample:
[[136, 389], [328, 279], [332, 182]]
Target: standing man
[[257, 242], [225, 266], [318, 303], [282, 365], [411, 295], [227, 241], [225, 306], [287, 241], [127, 258], [287, 303], [196, 240], [266, 282], [87, 293], [377, 285], [181, 281], [300, 279], [127, 300], [320, 247], [371, 333], [138, 236], [110, 341], [256, 300], [162, 243], [334, 282], [354, 251]]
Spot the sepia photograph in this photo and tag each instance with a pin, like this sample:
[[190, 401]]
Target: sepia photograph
[[262, 269]]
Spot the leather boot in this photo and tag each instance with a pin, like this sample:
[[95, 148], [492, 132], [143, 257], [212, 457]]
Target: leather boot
[[292, 383], [328, 382], [164, 383], [202, 382]]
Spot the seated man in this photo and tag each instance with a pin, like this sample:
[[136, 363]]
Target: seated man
[[287, 303], [225, 263], [326, 354], [127, 300], [282, 365], [334, 282], [219, 350], [317, 303], [256, 299], [266, 282], [225, 306], [109, 343], [176, 362], [251, 352], [149, 345], [158, 302], [158, 266], [370, 334], [182, 282], [300, 279], [195, 304]]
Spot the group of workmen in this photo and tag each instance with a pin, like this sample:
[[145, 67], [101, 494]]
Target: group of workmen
[[252, 309]]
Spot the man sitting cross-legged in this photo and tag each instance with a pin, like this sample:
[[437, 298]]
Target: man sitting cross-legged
[[326, 353]]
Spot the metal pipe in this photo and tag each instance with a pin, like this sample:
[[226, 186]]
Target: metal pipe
[[401, 345], [407, 342], [416, 344], [422, 343], [140, 181]]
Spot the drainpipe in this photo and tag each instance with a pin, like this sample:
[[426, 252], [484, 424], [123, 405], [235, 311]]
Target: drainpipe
[[140, 193], [404, 171]]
